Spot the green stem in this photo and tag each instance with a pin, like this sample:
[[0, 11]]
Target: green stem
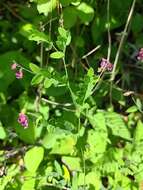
[[67, 78], [41, 55], [98, 80]]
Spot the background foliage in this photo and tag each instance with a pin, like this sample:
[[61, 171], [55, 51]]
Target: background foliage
[[84, 130]]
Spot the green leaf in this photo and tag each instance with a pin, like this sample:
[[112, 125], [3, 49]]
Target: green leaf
[[137, 23], [65, 35], [33, 158], [46, 6], [93, 179], [65, 2], [58, 168], [57, 55], [85, 12], [37, 79], [70, 17], [117, 94], [98, 121], [59, 144], [64, 145], [29, 183], [49, 140], [66, 174], [138, 134], [97, 141], [132, 109], [86, 87], [90, 83], [26, 135], [62, 32], [34, 68], [115, 122], [49, 82], [74, 182], [12, 171], [73, 163], [139, 104], [2, 132], [30, 32], [96, 145]]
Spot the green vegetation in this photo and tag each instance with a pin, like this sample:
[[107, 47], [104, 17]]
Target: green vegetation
[[71, 95]]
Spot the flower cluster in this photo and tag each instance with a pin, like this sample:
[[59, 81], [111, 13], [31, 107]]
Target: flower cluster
[[105, 65], [140, 55], [23, 120], [18, 69]]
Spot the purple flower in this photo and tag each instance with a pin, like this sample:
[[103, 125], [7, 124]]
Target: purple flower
[[13, 66], [105, 65], [19, 74], [23, 120], [140, 55]]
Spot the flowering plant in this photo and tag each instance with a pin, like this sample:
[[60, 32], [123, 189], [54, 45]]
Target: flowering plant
[[71, 95]]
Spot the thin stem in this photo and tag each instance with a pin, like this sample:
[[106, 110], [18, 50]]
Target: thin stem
[[98, 79], [92, 51], [66, 71], [63, 106], [27, 70], [83, 159], [41, 54], [41, 46], [67, 78], [124, 34], [108, 30], [57, 103], [109, 46], [39, 90], [21, 66]]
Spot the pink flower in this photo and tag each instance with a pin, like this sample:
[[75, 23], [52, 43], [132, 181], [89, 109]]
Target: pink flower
[[19, 74], [106, 65], [13, 66], [23, 120], [110, 67], [140, 55]]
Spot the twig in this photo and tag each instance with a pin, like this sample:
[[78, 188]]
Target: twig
[[63, 106], [92, 51], [56, 103]]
